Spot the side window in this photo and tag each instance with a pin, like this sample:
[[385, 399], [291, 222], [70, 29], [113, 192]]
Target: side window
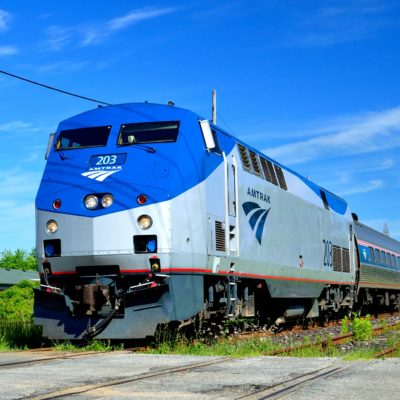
[[383, 257], [371, 252], [377, 256]]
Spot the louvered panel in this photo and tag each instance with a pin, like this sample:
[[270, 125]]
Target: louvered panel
[[244, 156], [345, 260], [281, 177], [254, 162], [220, 243], [264, 166], [375, 276], [337, 259], [271, 170]]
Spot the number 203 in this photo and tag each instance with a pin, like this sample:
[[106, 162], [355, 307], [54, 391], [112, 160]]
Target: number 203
[[106, 160]]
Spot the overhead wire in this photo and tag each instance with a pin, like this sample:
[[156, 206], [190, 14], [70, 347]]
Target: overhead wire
[[224, 122], [53, 88]]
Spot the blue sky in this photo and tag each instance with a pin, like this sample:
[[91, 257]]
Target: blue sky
[[315, 84]]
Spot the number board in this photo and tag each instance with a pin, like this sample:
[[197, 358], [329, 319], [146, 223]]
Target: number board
[[104, 160]]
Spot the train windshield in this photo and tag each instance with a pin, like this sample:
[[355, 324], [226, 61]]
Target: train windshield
[[83, 137], [148, 132]]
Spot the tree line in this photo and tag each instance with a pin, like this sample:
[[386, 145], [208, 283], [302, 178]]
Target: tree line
[[18, 259]]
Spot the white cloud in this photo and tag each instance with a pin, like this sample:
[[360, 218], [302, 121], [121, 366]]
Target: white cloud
[[352, 20], [136, 16], [375, 132], [8, 51], [368, 187], [58, 37], [4, 19], [94, 33], [62, 66], [18, 183], [15, 126]]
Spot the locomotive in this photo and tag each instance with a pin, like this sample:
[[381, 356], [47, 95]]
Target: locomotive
[[148, 214]]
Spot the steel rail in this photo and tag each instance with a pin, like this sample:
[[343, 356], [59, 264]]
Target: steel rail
[[291, 385], [120, 381], [336, 340]]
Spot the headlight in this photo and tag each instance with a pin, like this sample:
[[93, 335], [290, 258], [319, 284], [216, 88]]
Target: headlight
[[51, 226], [107, 200], [91, 202], [144, 222]]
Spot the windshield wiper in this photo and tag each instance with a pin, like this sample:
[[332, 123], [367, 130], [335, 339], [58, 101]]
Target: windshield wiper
[[140, 146], [63, 156]]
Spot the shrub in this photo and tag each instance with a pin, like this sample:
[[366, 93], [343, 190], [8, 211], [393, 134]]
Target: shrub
[[362, 328], [16, 317], [16, 303], [345, 326]]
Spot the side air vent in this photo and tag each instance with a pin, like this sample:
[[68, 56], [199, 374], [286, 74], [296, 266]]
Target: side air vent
[[265, 169], [271, 170], [219, 236], [254, 163], [345, 260], [244, 156], [281, 177], [337, 259]]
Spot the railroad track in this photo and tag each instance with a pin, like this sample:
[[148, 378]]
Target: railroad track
[[62, 356], [387, 352], [77, 390], [59, 356], [336, 340], [292, 385], [273, 391]]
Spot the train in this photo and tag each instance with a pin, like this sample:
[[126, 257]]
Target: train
[[149, 214]]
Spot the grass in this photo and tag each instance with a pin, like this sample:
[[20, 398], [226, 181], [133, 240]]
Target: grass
[[360, 354], [363, 348], [222, 347], [93, 345], [15, 335]]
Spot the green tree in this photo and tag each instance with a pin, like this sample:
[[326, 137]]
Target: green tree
[[20, 259]]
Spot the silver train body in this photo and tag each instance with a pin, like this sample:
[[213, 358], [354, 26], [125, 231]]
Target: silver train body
[[231, 232]]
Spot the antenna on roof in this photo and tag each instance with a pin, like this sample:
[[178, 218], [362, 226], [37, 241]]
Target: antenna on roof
[[214, 107], [386, 229]]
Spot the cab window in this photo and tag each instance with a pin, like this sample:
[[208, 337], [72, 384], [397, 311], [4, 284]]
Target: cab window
[[83, 137], [148, 132]]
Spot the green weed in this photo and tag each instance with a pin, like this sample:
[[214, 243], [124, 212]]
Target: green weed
[[362, 328], [19, 335], [345, 328], [93, 345]]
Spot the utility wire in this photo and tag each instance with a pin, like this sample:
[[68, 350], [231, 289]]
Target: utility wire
[[53, 88], [225, 123]]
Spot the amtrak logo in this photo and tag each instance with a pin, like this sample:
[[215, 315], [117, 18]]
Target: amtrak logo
[[100, 174], [257, 217], [365, 254]]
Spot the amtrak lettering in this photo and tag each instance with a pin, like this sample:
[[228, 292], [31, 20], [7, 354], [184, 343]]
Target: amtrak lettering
[[258, 195], [101, 173]]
